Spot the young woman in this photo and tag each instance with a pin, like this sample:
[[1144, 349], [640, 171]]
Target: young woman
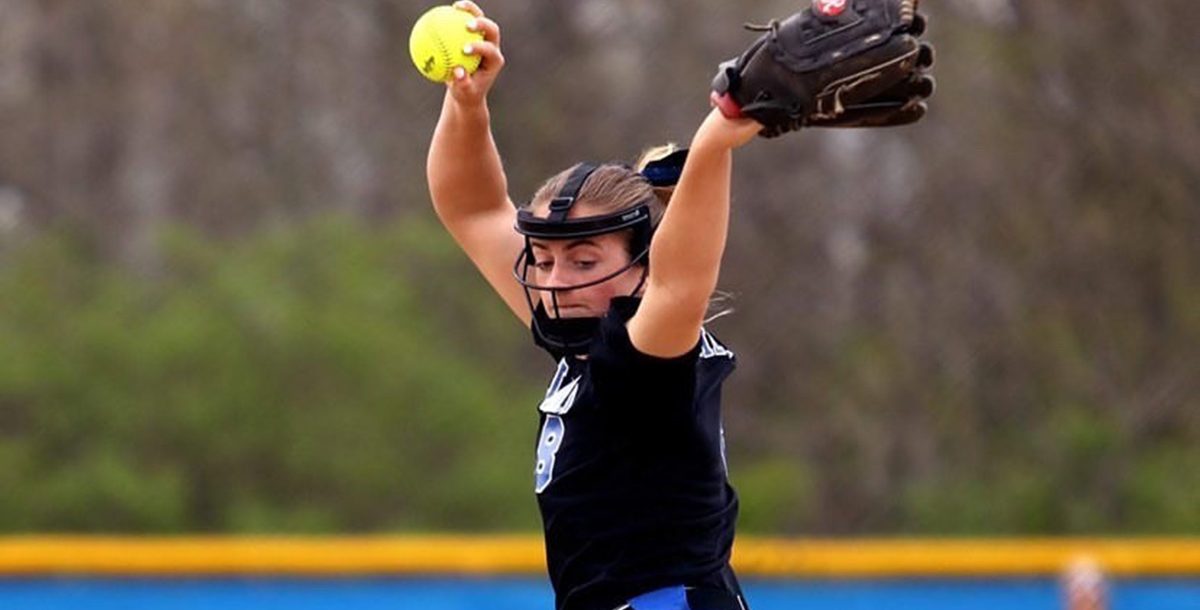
[[614, 283]]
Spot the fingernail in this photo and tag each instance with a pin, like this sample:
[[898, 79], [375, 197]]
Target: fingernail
[[459, 73], [468, 49], [473, 25]]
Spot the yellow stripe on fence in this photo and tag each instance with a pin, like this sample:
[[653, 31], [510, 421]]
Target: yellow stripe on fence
[[505, 555], [273, 555], [964, 558]]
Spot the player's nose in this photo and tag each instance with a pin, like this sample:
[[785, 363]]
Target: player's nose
[[561, 279]]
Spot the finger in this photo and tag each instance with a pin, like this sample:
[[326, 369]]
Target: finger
[[492, 58], [920, 85], [923, 86], [917, 27], [910, 114], [490, 29], [884, 114], [468, 6], [906, 115], [461, 86], [926, 56], [458, 77]]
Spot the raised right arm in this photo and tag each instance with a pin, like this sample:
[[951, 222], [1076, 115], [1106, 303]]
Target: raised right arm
[[466, 178]]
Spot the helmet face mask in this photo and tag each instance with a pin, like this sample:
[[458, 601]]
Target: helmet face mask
[[572, 336]]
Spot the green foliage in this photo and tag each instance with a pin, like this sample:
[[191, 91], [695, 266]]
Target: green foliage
[[299, 381], [776, 495], [331, 377]]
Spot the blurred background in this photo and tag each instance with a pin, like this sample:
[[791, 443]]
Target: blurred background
[[226, 305]]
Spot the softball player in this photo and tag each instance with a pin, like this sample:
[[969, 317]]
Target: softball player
[[614, 283]]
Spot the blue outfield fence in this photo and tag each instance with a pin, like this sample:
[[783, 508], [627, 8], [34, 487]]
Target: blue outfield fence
[[534, 594], [453, 572]]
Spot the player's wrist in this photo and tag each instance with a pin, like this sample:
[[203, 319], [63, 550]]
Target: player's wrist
[[468, 110], [719, 133]]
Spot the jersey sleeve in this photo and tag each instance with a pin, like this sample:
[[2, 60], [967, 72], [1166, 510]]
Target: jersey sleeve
[[631, 382]]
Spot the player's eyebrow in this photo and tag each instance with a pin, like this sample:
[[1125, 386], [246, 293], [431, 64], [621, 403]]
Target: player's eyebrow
[[581, 242]]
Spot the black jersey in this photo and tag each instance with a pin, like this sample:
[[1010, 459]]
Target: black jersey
[[630, 472]]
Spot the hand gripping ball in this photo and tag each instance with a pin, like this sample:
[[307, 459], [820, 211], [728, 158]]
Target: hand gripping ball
[[437, 43]]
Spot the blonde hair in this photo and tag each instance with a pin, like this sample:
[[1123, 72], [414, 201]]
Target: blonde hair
[[612, 188]]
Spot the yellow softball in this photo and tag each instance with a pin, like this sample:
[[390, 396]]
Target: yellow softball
[[437, 43]]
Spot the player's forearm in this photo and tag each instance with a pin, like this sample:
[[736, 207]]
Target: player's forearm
[[690, 241], [465, 173]]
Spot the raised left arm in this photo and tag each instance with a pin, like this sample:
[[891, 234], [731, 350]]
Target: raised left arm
[[686, 251]]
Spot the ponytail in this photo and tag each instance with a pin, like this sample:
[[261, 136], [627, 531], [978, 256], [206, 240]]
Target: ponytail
[[661, 166]]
